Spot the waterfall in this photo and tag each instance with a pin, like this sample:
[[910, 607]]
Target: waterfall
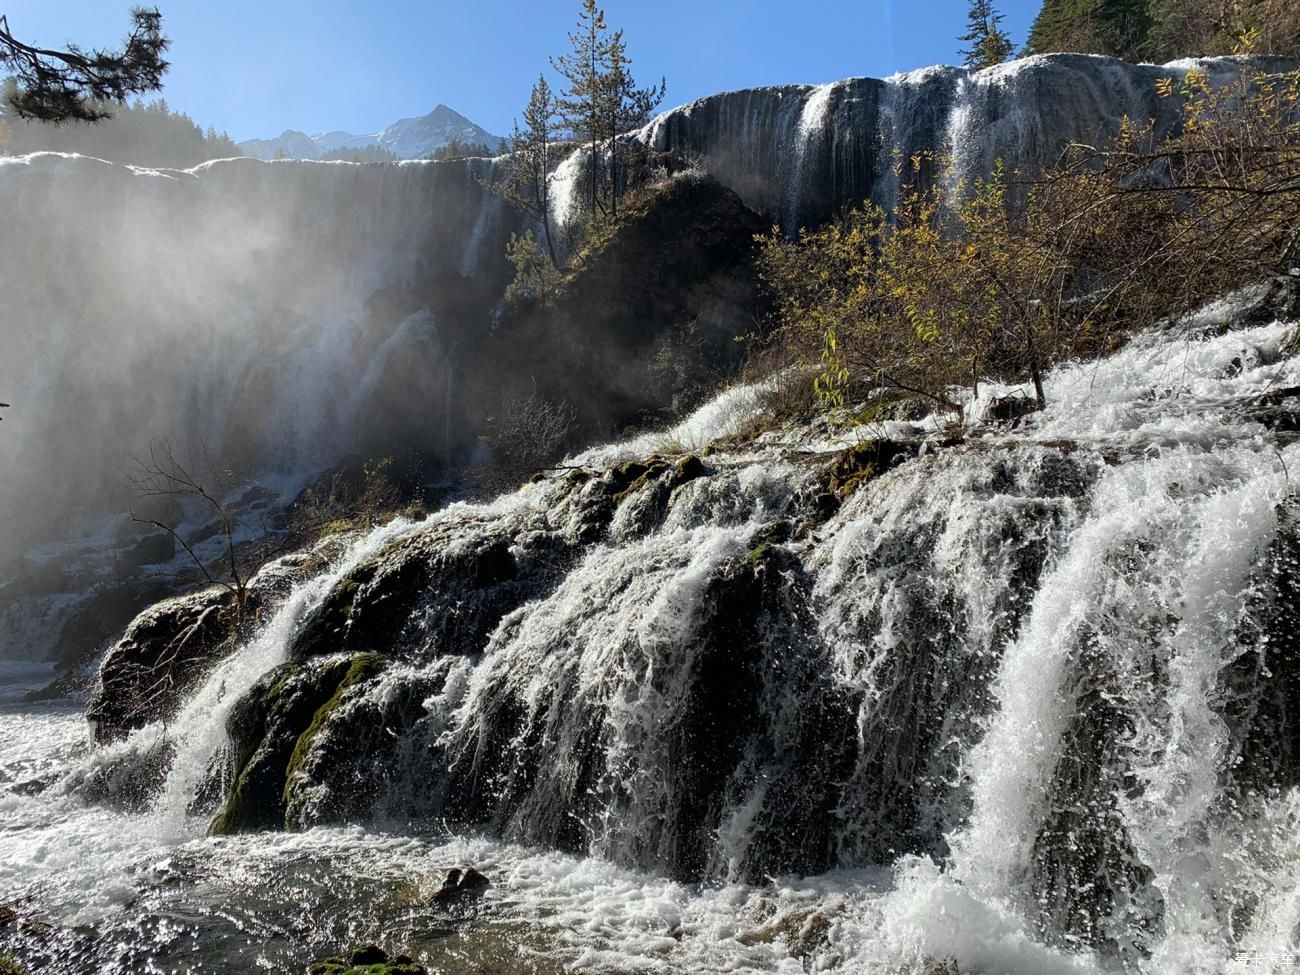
[[238, 303], [238, 298], [1018, 704], [812, 123]]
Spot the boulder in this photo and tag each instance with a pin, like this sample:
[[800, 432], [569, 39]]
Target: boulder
[[865, 462], [166, 649], [367, 960], [461, 888], [272, 728]]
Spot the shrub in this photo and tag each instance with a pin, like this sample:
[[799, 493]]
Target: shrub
[[1000, 278]]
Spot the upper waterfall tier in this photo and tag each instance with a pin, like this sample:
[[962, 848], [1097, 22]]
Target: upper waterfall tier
[[290, 313], [799, 153]]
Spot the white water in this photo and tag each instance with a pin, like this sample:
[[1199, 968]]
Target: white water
[[812, 124], [961, 607]]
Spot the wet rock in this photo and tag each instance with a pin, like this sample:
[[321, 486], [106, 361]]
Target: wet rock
[[692, 766], [865, 462], [272, 728], [168, 647], [131, 784], [1012, 409], [1259, 691], [152, 549], [369, 955], [1090, 885], [440, 590], [460, 888], [357, 755], [162, 655], [368, 960], [1278, 409]]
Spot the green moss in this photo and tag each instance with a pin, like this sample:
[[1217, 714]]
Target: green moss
[[687, 469], [362, 668], [9, 965], [275, 728], [370, 960], [759, 553], [628, 478], [865, 462], [337, 966], [631, 477]]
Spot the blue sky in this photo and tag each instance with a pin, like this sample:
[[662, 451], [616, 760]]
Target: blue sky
[[256, 68]]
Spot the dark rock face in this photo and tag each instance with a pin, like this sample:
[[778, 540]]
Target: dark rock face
[[1091, 887], [797, 154], [646, 320], [148, 673], [272, 729], [432, 590], [145, 676]]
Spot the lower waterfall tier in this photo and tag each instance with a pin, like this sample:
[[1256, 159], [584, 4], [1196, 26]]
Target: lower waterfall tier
[[1018, 702]]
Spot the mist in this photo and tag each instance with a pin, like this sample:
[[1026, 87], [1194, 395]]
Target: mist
[[254, 308]]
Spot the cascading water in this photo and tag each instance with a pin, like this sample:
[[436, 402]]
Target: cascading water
[[1017, 706], [308, 268], [812, 123]]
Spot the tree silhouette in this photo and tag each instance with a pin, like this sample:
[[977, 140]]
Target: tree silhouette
[[989, 43], [59, 86]]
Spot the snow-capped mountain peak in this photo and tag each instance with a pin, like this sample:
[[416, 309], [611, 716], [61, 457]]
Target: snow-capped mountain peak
[[408, 138]]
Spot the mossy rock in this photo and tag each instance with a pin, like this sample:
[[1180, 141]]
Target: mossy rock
[[864, 462], [362, 669], [370, 960], [413, 592], [272, 727], [629, 478], [9, 965], [325, 630]]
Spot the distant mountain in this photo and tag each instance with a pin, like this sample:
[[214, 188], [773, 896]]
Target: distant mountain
[[291, 143], [409, 138]]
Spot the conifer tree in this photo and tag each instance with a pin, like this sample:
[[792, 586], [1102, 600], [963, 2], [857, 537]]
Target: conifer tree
[[989, 43], [57, 86], [527, 183], [602, 101], [583, 69], [1119, 28], [625, 107]]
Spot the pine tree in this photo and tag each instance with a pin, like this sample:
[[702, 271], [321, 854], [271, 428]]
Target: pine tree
[[989, 43], [583, 68], [624, 107], [1119, 28], [57, 86], [527, 183], [602, 101]]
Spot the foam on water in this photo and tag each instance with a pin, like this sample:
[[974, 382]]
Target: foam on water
[[968, 613]]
